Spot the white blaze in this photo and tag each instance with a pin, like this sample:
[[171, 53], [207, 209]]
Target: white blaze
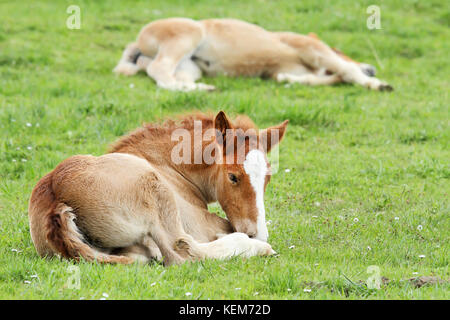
[[256, 167]]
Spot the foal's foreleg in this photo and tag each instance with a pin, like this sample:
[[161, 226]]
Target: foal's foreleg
[[174, 48], [161, 214], [230, 245], [163, 69]]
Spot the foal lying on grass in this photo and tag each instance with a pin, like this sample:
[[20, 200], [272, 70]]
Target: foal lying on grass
[[148, 200], [175, 52]]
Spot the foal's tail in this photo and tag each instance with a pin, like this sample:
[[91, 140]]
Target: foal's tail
[[128, 64], [54, 231]]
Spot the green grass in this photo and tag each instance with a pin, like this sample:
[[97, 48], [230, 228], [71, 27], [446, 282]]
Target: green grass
[[366, 168]]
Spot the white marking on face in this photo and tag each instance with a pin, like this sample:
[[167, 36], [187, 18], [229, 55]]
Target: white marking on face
[[255, 166]]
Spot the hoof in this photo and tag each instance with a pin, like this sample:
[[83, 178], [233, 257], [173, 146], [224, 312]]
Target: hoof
[[386, 87], [368, 69]]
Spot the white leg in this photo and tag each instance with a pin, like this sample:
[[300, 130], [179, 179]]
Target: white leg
[[318, 55], [180, 80], [349, 71], [230, 245], [187, 71], [172, 56], [309, 79]]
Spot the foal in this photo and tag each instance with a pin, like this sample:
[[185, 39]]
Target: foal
[[147, 199], [175, 52]]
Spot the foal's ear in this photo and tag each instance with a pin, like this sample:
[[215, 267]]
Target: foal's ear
[[270, 137], [221, 124]]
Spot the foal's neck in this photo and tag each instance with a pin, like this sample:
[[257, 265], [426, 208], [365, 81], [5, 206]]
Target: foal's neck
[[191, 180]]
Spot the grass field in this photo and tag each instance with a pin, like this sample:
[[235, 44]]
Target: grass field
[[369, 171]]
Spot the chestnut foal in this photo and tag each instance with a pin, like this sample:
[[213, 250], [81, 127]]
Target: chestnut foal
[[140, 202]]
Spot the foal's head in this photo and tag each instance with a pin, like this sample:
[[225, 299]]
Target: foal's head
[[244, 173]]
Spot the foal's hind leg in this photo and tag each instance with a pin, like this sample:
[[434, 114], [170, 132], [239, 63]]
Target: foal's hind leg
[[317, 55], [322, 56], [350, 72], [143, 252], [368, 69]]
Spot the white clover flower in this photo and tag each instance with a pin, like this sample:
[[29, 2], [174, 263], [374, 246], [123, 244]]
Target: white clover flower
[[306, 290], [28, 124], [29, 147], [356, 220], [287, 170], [131, 85], [419, 227], [397, 218]]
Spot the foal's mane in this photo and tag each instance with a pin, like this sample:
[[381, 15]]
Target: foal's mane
[[160, 131]]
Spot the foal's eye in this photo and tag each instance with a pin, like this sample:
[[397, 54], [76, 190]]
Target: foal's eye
[[232, 178]]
